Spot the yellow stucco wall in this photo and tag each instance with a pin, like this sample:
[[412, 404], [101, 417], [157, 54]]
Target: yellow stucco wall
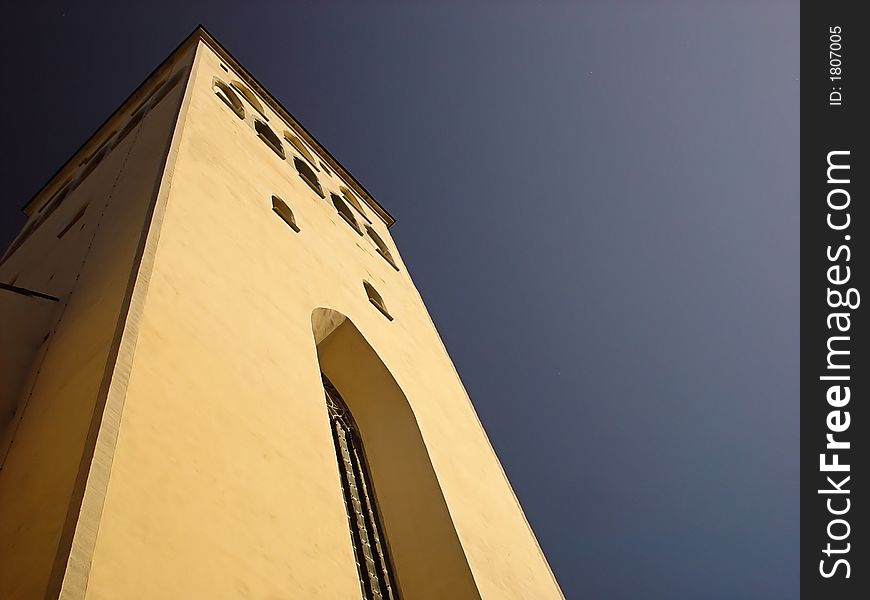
[[214, 474], [45, 446]]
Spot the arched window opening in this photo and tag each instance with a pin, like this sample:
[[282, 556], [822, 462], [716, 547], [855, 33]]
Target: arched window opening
[[301, 149], [282, 210], [354, 201], [229, 97], [375, 298], [418, 531], [268, 136], [308, 175], [250, 97], [325, 169], [381, 247], [345, 212], [374, 568]]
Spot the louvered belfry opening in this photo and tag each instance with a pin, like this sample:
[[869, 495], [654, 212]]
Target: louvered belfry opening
[[369, 543]]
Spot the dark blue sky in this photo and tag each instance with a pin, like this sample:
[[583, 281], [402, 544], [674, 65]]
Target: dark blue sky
[[598, 202]]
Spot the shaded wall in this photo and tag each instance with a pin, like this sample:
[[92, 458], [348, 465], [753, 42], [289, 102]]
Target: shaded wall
[[219, 477], [88, 267]]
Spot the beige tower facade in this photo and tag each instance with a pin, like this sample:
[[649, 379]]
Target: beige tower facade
[[219, 381]]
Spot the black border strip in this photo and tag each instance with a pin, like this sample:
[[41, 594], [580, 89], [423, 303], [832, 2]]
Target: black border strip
[[835, 367]]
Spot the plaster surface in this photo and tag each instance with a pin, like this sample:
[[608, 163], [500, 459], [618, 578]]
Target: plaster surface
[[213, 473]]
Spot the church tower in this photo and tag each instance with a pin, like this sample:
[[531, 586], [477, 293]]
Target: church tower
[[219, 381]]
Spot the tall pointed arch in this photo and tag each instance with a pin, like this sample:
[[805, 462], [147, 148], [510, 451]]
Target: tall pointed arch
[[417, 530]]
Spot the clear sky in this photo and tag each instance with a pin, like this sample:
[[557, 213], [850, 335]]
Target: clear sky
[[599, 204]]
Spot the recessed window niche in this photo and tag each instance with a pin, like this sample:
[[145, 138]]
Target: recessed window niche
[[345, 212], [381, 247], [229, 97], [250, 97], [268, 136], [301, 149], [282, 210], [376, 300], [354, 201], [308, 176]]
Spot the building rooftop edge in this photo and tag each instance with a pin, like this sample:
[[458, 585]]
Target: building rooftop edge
[[201, 34]]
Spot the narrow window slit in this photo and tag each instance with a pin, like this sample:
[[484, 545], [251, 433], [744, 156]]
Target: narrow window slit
[[74, 220]]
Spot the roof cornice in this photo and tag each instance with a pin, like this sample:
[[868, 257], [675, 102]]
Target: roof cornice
[[200, 34], [203, 35]]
